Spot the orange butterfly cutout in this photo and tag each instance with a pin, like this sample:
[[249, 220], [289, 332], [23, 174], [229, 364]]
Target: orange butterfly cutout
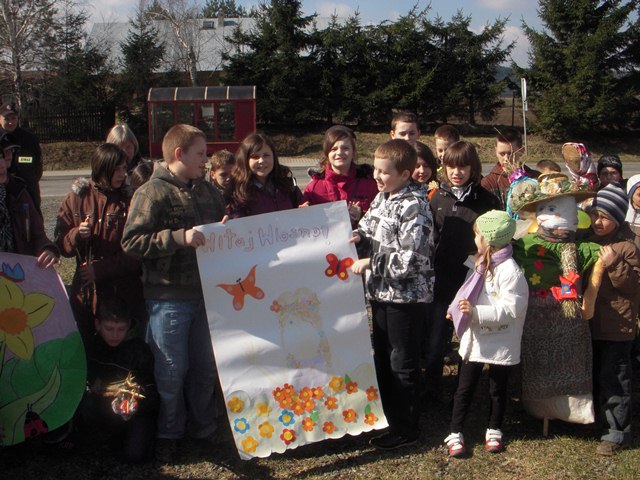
[[242, 288], [338, 267]]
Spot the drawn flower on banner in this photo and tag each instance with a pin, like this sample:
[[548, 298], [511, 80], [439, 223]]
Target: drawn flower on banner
[[263, 409], [349, 415], [308, 424], [543, 293], [331, 403], [538, 265], [352, 387], [275, 306], [318, 393], [305, 394], [328, 427], [288, 390], [235, 404], [541, 251], [309, 405], [287, 418], [370, 418], [336, 384], [298, 408], [288, 436], [372, 393], [19, 314], [241, 425], [266, 430], [249, 444], [535, 279]]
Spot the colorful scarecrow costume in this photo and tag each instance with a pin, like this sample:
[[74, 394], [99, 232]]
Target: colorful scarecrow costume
[[556, 343]]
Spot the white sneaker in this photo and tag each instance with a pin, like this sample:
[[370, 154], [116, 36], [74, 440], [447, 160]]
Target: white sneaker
[[493, 441], [455, 442]]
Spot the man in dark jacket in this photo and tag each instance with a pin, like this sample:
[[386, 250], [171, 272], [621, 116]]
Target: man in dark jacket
[[28, 163]]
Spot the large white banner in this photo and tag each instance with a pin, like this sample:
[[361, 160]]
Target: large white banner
[[289, 328]]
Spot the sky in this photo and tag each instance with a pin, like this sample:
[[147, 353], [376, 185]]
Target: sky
[[482, 12]]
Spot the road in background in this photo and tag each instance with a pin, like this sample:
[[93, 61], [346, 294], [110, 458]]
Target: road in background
[[58, 183]]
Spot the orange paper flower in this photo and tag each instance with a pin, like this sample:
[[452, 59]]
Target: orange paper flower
[[349, 415], [288, 436]]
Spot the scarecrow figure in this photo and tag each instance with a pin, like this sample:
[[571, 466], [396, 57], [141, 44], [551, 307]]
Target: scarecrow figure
[[556, 343]]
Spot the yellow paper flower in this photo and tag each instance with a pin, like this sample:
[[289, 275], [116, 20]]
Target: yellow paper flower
[[265, 429], [336, 384], [263, 409], [235, 405], [19, 314], [249, 444], [535, 279]]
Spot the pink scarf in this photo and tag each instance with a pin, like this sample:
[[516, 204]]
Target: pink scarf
[[471, 288]]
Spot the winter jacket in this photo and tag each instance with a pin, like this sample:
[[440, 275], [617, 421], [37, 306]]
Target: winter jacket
[[453, 235], [397, 230], [162, 210], [495, 331], [497, 182], [267, 199], [357, 186], [116, 273], [107, 365], [616, 308], [29, 237], [27, 164]]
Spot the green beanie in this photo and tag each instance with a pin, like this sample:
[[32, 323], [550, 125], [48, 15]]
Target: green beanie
[[497, 227]]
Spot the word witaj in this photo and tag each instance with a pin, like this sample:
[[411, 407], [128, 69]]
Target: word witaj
[[229, 240]]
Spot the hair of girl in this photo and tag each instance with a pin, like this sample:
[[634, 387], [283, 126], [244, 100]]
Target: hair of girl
[[483, 260], [106, 158], [120, 134], [280, 176], [463, 154], [333, 135], [426, 154]]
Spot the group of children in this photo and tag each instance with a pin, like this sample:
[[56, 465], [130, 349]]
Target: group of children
[[416, 218]]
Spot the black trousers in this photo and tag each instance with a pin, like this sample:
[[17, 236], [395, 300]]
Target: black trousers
[[396, 347], [468, 376]]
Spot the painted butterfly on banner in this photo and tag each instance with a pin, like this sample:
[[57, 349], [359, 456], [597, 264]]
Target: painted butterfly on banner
[[242, 288], [337, 267]]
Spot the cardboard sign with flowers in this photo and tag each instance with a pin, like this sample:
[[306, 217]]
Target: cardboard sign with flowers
[[42, 361], [289, 329]]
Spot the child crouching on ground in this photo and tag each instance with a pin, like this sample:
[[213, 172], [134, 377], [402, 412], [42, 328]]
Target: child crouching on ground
[[488, 314], [397, 229], [121, 397], [613, 326]]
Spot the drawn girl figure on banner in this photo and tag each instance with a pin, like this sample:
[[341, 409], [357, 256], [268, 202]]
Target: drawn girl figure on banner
[[301, 330]]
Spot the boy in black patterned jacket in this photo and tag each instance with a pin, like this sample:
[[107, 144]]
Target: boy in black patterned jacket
[[397, 228]]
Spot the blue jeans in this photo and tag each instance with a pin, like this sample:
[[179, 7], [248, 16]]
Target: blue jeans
[[612, 388], [185, 372]]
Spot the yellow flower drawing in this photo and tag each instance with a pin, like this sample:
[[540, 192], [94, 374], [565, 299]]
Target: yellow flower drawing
[[263, 409], [235, 405], [535, 279], [249, 444], [19, 314], [336, 384], [265, 429]]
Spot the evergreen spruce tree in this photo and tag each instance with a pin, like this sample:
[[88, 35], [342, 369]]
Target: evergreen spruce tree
[[276, 56], [226, 8], [583, 71]]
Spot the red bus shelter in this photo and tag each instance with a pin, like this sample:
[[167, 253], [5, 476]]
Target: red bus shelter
[[225, 114]]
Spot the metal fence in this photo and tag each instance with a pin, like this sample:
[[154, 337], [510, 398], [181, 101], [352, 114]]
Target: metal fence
[[78, 125]]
